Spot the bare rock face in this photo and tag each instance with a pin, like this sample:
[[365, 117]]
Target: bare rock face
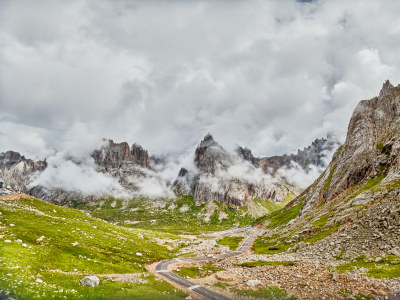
[[245, 154], [185, 182], [117, 159], [371, 149], [15, 169], [122, 161], [210, 157], [228, 178], [117, 155]]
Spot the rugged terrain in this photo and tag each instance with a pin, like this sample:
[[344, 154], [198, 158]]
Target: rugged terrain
[[315, 154], [225, 177], [349, 217], [233, 178], [16, 170]]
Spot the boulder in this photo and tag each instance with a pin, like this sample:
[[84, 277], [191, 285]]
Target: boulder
[[91, 281], [253, 283]]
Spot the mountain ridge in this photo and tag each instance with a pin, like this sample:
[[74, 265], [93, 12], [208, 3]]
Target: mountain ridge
[[131, 163]]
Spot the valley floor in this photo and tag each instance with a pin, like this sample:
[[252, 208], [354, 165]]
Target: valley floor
[[46, 249]]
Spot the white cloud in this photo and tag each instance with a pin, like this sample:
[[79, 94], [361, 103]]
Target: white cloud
[[271, 75], [63, 173]]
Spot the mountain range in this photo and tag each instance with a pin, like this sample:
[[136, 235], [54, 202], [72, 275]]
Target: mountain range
[[218, 175]]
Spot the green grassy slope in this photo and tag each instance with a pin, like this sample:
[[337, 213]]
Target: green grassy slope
[[101, 248], [181, 215]]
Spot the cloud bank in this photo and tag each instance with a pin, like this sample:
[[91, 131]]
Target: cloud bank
[[271, 75]]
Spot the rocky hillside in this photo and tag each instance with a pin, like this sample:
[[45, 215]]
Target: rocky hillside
[[16, 170], [353, 208], [229, 178], [370, 152]]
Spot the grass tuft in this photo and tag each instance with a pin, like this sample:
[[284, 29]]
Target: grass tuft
[[232, 241]]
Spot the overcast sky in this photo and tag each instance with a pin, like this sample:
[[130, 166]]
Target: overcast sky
[[269, 75]]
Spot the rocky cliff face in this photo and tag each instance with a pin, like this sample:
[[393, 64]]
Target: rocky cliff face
[[119, 155], [122, 161], [16, 170], [117, 159], [229, 178], [371, 149], [355, 204]]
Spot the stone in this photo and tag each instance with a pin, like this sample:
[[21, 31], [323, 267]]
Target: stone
[[395, 251], [39, 280], [39, 240], [91, 281], [225, 276], [139, 254], [74, 244], [7, 241], [253, 283]]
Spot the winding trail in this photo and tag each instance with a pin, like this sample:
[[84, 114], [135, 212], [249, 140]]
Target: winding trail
[[162, 267]]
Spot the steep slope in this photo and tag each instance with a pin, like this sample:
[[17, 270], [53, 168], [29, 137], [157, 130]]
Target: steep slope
[[353, 209], [229, 178], [370, 152]]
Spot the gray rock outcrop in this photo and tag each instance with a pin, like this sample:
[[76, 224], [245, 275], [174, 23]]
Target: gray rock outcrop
[[16, 170], [91, 281], [122, 162]]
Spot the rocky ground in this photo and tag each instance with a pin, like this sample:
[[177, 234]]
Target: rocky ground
[[305, 279], [304, 275]]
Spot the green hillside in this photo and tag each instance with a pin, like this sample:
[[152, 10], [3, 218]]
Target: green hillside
[[181, 215], [46, 249]]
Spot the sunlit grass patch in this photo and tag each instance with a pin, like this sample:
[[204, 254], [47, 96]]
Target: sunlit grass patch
[[232, 241]]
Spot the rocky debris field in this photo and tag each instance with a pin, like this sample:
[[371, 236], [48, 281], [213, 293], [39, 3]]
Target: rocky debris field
[[372, 232], [305, 274], [302, 278]]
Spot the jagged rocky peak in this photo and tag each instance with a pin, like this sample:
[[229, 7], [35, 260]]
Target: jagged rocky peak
[[185, 183], [246, 154], [371, 149], [210, 156], [356, 200], [315, 154], [387, 89], [114, 155], [16, 170], [215, 180]]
